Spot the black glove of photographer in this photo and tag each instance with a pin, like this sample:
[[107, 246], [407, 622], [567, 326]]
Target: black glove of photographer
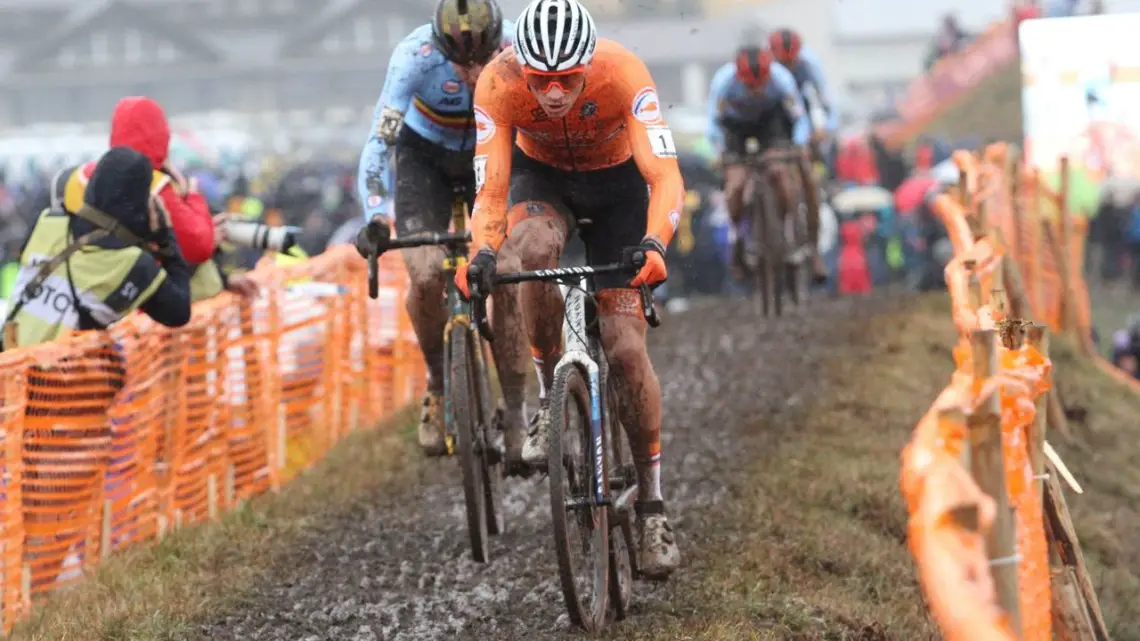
[[377, 231], [165, 244], [481, 274]]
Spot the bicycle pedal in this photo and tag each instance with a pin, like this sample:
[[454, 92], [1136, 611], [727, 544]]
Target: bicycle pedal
[[495, 455], [519, 469], [640, 576]]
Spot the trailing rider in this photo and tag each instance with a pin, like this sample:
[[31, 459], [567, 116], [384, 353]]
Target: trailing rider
[[756, 97], [418, 151]]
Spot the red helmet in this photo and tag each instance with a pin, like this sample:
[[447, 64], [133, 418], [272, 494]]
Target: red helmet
[[753, 66], [786, 45]]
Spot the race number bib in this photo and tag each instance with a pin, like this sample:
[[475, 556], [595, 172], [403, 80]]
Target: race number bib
[[661, 138]]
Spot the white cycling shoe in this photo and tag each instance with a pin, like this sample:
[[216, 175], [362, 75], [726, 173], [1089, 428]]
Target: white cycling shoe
[[657, 552], [534, 450]]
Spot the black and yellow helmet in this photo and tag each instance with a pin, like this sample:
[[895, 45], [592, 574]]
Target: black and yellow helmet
[[467, 31]]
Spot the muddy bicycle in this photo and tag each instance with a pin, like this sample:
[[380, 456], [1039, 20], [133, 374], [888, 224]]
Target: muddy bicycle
[[593, 482], [473, 428], [778, 250]]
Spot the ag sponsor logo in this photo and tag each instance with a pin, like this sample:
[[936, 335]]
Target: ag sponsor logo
[[451, 86], [425, 49], [374, 201], [647, 106], [484, 126], [674, 219]]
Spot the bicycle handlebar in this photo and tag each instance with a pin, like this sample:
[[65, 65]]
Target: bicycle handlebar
[[448, 240], [479, 298]]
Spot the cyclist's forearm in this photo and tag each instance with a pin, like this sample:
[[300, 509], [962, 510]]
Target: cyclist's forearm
[[488, 229], [801, 131], [666, 201], [371, 175]]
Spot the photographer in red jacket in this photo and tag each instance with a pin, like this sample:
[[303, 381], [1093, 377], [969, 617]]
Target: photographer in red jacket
[[140, 124]]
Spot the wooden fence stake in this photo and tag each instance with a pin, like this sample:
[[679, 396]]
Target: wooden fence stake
[[230, 488], [26, 581], [1039, 340], [1064, 537], [105, 530], [212, 496], [964, 189], [1035, 226], [282, 435], [988, 469]]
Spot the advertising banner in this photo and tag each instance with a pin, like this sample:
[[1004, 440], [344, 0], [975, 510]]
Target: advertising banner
[[1081, 99]]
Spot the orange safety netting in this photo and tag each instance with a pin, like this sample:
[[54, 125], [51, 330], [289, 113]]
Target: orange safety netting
[[951, 555], [113, 438]]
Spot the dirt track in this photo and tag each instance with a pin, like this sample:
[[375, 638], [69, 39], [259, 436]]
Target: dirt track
[[396, 566]]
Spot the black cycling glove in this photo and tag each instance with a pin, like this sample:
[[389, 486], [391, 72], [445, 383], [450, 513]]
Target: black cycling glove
[[377, 231], [481, 274]]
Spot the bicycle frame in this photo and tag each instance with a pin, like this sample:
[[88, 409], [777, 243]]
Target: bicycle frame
[[582, 342], [459, 309], [459, 313], [577, 337]]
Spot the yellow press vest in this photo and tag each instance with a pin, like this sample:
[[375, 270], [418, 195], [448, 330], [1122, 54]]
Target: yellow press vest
[[71, 198], [205, 282], [110, 283]]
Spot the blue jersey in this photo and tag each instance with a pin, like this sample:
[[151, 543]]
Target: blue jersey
[[808, 70], [436, 104], [732, 99]]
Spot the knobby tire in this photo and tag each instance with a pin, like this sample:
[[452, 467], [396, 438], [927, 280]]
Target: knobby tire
[[623, 548], [572, 478], [465, 408]]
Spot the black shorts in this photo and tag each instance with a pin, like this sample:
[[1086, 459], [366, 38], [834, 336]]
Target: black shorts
[[427, 177], [770, 129], [615, 200]]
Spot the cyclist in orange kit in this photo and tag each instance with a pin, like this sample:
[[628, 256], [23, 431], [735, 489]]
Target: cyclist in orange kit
[[590, 139]]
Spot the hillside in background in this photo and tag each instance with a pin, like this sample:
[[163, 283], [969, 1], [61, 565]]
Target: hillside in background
[[991, 111]]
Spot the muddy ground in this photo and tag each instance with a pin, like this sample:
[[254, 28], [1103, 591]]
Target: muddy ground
[[395, 565]]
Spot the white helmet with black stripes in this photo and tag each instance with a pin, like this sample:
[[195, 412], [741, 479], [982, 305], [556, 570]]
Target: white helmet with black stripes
[[555, 35]]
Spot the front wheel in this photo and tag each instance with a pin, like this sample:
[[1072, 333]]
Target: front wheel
[[581, 527], [767, 215], [465, 412]]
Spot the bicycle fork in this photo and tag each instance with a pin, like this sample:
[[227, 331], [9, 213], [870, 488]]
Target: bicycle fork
[[577, 354]]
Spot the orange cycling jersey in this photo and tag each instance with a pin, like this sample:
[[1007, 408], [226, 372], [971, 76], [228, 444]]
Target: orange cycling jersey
[[618, 115]]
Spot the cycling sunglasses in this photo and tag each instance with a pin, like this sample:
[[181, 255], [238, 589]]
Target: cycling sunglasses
[[544, 81]]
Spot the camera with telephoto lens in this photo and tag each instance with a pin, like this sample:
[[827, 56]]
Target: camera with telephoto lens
[[261, 236]]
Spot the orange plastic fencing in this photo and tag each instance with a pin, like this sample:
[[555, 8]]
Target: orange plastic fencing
[[114, 438], [951, 556]]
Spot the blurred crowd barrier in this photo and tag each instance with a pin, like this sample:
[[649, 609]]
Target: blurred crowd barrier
[[989, 528], [949, 80], [114, 438]]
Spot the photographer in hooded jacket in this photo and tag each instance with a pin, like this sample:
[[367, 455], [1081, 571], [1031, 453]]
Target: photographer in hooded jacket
[[115, 254], [140, 124]]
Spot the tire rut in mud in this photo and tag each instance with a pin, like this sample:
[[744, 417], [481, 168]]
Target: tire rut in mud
[[397, 567]]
